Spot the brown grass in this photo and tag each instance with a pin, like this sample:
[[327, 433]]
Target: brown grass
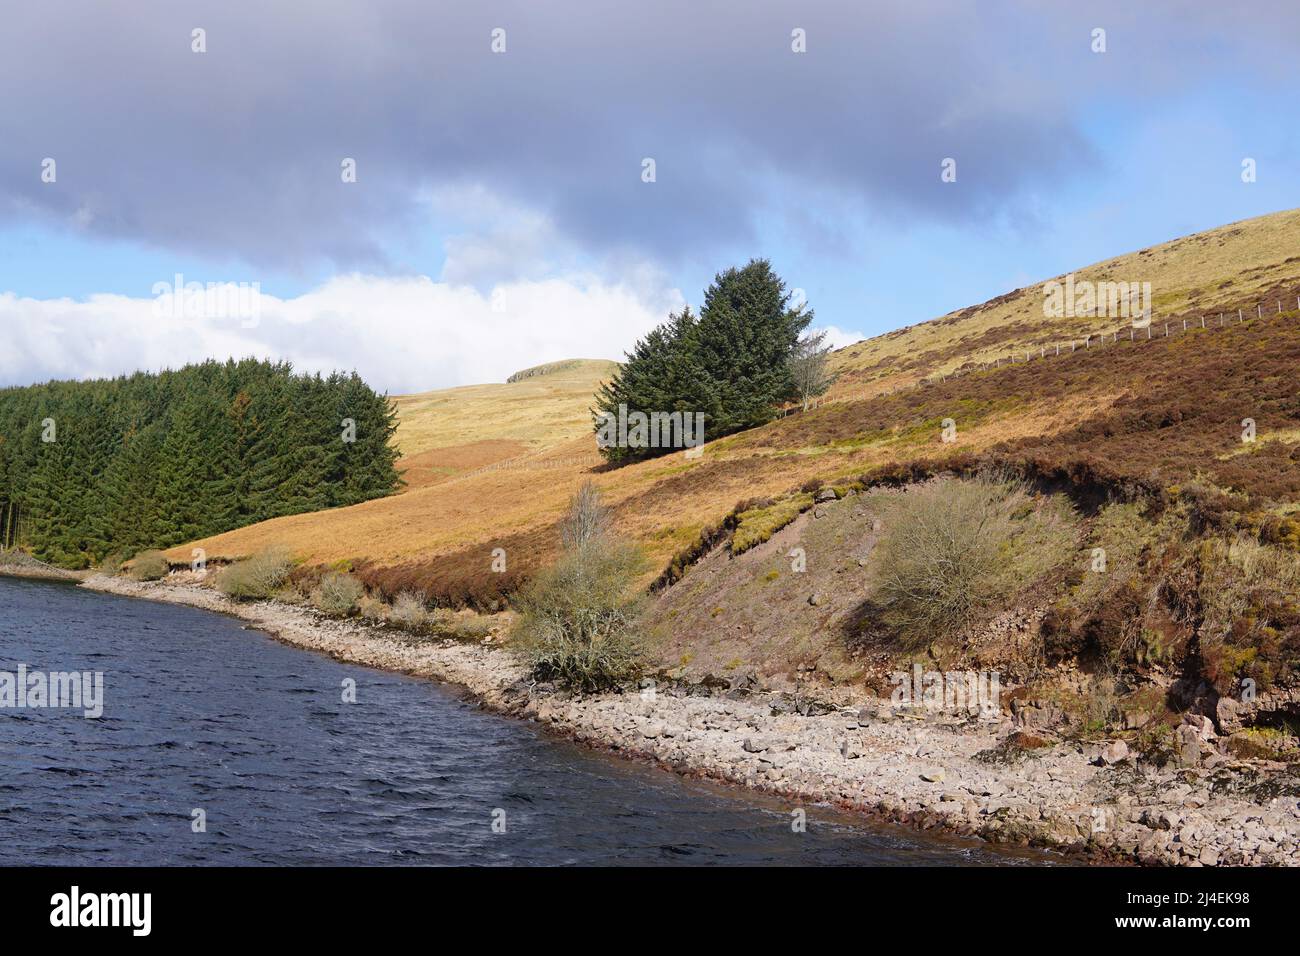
[[1165, 413]]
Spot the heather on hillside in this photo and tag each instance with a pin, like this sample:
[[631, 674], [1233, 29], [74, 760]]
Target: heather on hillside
[[90, 468], [735, 362]]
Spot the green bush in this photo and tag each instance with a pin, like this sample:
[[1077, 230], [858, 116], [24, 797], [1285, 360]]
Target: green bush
[[149, 566], [257, 578], [953, 550], [112, 564], [577, 618], [337, 594]]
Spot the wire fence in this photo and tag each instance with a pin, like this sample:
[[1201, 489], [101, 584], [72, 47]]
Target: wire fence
[[1147, 330]]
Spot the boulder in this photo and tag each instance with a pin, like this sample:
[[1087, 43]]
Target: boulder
[[1227, 713], [827, 494], [1114, 752], [1203, 726], [1188, 746]]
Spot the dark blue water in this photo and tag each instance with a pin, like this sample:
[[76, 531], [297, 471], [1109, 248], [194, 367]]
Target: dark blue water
[[201, 714]]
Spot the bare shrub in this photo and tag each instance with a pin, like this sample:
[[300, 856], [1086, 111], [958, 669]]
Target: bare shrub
[[586, 519], [372, 608], [149, 566], [577, 618], [951, 550], [810, 367], [257, 578], [409, 611], [337, 594]]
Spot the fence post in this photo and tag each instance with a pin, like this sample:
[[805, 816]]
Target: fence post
[[1239, 319]]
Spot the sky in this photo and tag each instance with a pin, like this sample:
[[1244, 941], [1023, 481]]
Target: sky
[[502, 212]]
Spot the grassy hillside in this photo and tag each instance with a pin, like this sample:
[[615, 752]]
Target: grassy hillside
[[454, 430], [1162, 412], [1231, 267]]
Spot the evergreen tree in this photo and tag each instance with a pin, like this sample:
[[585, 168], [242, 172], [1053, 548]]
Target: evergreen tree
[[732, 363], [156, 460]]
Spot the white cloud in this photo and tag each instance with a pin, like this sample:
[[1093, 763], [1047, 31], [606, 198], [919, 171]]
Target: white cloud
[[838, 338], [401, 334]]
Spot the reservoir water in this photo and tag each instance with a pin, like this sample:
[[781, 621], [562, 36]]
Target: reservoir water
[[202, 715]]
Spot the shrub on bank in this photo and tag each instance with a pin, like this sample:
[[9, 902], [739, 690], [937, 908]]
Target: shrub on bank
[[577, 617], [149, 566], [408, 611], [1250, 612], [953, 550], [256, 578], [337, 594]]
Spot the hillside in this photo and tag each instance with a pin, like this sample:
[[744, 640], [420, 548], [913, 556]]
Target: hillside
[[450, 431], [1156, 411]]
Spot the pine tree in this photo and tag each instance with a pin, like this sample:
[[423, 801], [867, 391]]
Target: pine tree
[[732, 363]]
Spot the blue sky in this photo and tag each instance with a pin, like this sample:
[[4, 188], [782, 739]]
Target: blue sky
[[492, 178]]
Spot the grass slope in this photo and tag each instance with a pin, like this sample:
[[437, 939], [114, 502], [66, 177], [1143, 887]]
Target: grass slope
[[1159, 411]]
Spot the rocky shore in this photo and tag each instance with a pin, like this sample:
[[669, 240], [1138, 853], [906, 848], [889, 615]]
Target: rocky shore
[[993, 779]]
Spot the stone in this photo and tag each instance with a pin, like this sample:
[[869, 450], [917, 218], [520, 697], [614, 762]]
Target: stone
[[1209, 856], [1189, 746], [848, 751], [827, 494], [933, 775], [754, 746], [1203, 726], [1114, 752], [1227, 713], [816, 598]]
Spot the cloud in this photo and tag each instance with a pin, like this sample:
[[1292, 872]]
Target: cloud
[[236, 152], [838, 338], [402, 335]]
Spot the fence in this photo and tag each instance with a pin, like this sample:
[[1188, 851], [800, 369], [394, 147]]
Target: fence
[[1135, 334]]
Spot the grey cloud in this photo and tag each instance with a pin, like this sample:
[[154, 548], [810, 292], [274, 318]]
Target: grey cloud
[[237, 151]]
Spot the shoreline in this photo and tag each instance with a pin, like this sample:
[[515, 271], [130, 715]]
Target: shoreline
[[924, 771], [36, 571]]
